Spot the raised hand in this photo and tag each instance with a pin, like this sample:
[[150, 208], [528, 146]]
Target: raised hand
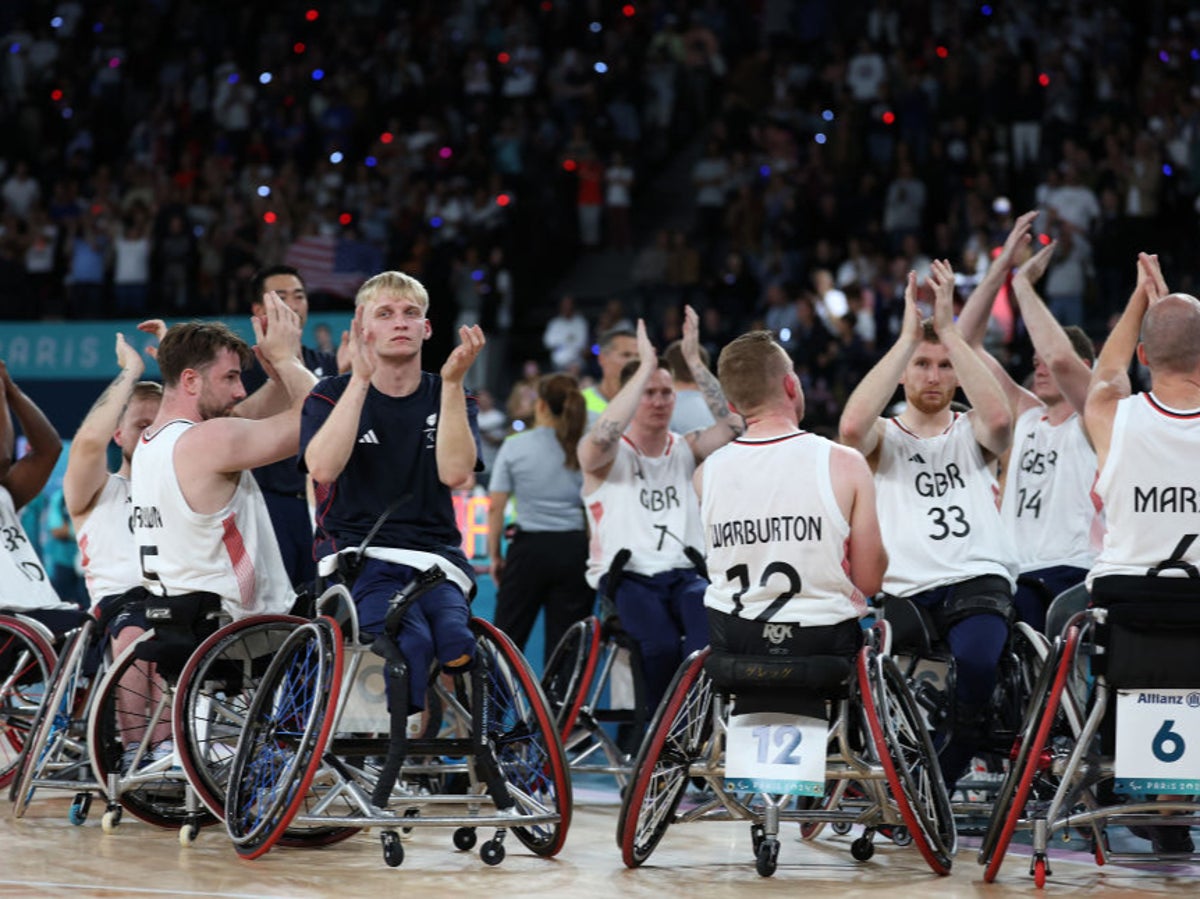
[[1035, 266], [647, 354], [158, 329], [1150, 277], [941, 279], [1017, 238], [463, 356], [359, 347], [128, 359], [912, 327], [690, 345], [277, 331]]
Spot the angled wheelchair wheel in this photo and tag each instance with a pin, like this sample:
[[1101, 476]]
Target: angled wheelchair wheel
[[681, 727], [287, 728], [1045, 716], [26, 664], [525, 740], [213, 695], [906, 753], [568, 675], [129, 735], [1019, 670], [51, 743]]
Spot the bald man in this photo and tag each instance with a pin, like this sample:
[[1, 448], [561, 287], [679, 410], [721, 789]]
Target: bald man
[[1146, 447]]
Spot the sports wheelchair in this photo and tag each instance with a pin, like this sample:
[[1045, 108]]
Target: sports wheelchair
[[142, 729], [580, 683], [485, 753], [1079, 765], [879, 767], [929, 667], [27, 658]]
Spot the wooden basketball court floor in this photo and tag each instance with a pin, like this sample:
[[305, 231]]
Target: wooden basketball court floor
[[44, 855]]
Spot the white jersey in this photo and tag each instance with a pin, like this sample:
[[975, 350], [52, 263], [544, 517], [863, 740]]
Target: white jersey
[[937, 510], [1150, 490], [775, 537], [24, 584], [232, 553], [106, 546], [648, 506], [1048, 506]]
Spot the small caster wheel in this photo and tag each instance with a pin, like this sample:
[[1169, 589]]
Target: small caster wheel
[[187, 835], [410, 813], [492, 852], [757, 835], [393, 851], [464, 839], [841, 828], [79, 808], [111, 820], [767, 857], [901, 836], [862, 849], [1039, 872]]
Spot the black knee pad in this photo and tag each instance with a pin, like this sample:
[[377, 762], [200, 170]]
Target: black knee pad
[[990, 595]]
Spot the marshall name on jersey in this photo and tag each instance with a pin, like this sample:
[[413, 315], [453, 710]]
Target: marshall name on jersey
[[1149, 489], [937, 510]]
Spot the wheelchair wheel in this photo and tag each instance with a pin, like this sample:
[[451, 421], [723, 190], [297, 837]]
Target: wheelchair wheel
[[522, 734], [287, 727], [569, 673], [1039, 724], [904, 748], [681, 727], [1020, 668], [50, 732], [26, 664], [213, 694], [133, 707]]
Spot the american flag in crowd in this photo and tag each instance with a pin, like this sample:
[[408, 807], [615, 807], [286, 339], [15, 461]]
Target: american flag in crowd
[[332, 265]]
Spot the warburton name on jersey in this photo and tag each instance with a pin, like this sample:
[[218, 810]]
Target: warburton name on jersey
[[774, 529]]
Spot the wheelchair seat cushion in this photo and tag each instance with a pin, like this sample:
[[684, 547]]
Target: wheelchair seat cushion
[[1152, 631], [819, 677], [181, 623]]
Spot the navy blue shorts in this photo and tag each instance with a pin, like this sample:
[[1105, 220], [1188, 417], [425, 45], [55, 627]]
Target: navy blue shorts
[[436, 624], [122, 610]]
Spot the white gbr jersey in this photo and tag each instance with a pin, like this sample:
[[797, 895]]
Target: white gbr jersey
[[24, 584], [648, 506], [1150, 488], [937, 510], [775, 537], [232, 553], [1048, 503], [110, 558]]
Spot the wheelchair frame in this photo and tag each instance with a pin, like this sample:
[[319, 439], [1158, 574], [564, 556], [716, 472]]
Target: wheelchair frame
[[23, 684], [880, 773], [576, 681], [1052, 786], [294, 766]]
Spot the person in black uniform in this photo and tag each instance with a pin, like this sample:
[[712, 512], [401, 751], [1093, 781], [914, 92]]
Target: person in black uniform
[[282, 483], [390, 438]]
